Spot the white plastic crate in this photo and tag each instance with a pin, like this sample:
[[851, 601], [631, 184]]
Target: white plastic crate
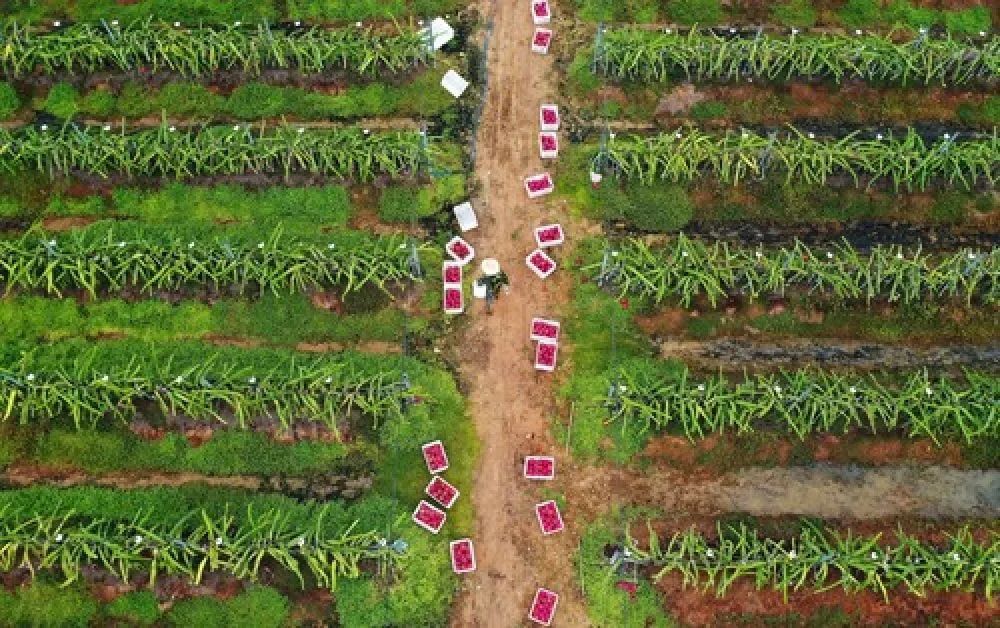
[[548, 144], [541, 41], [549, 235], [539, 262], [548, 117], [541, 12], [542, 352], [539, 185]]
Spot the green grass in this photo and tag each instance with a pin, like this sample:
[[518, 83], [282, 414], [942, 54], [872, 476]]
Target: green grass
[[607, 605], [28, 320], [421, 97], [214, 11], [300, 212], [225, 454]]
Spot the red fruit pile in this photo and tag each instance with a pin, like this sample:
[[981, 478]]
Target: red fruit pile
[[452, 274], [541, 262], [548, 142], [551, 234], [549, 517], [544, 606], [442, 492], [436, 458], [539, 467]]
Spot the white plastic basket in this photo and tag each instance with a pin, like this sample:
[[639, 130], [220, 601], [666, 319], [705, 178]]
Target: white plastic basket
[[539, 257], [551, 111], [541, 12], [551, 151], [545, 322], [470, 255], [541, 41], [546, 188], [543, 237], [542, 347]]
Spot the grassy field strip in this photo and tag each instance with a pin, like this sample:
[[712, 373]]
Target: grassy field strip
[[32, 320]]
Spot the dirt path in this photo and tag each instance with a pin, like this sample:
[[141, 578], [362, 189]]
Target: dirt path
[[33, 476], [510, 404], [820, 491]]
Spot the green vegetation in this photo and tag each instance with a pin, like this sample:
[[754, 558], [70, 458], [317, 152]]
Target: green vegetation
[[145, 46], [10, 102], [138, 608], [659, 208], [194, 543], [344, 154], [821, 559], [110, 260], [402, 203], [907, 162], [227, 453], [797, 13], [258, 606], [804, 402], [26, 321], [694, 11], [652, 56], [607, 604], [92, 386], [685, 268], [47, 604], [250, 102]]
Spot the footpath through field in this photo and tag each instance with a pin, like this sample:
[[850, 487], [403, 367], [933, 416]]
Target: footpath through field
[[510, 404]]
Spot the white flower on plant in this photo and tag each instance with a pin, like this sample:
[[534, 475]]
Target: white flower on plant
[[114, 22], [301, 129], [777, 389], [878, 136], [30, 377], [177, 24], [758, 254], [874, 555], [236, 127], [260, 245], [105, 378], [218, 541], [812, 135], [172, 129], [331, 246], [611, 135], [955, 557], [710, 553], [365, 131], [829, 255], [252, 380], [121, 244], [614, 253], [300, 541], [57, 23], [928, 391], [190, 245], [678, 134], [732, 30], [899, 256], [358, 24], [107, 127], [668, 31], [792, 555], [972, 256], [684, 253], [237, 23], [857, 31], [701, 387], [178, 379], [298, 23], [137, 539], [52, 243], [59, 538], [795, 31], [328, 380], [853, 389], [45, 127]]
